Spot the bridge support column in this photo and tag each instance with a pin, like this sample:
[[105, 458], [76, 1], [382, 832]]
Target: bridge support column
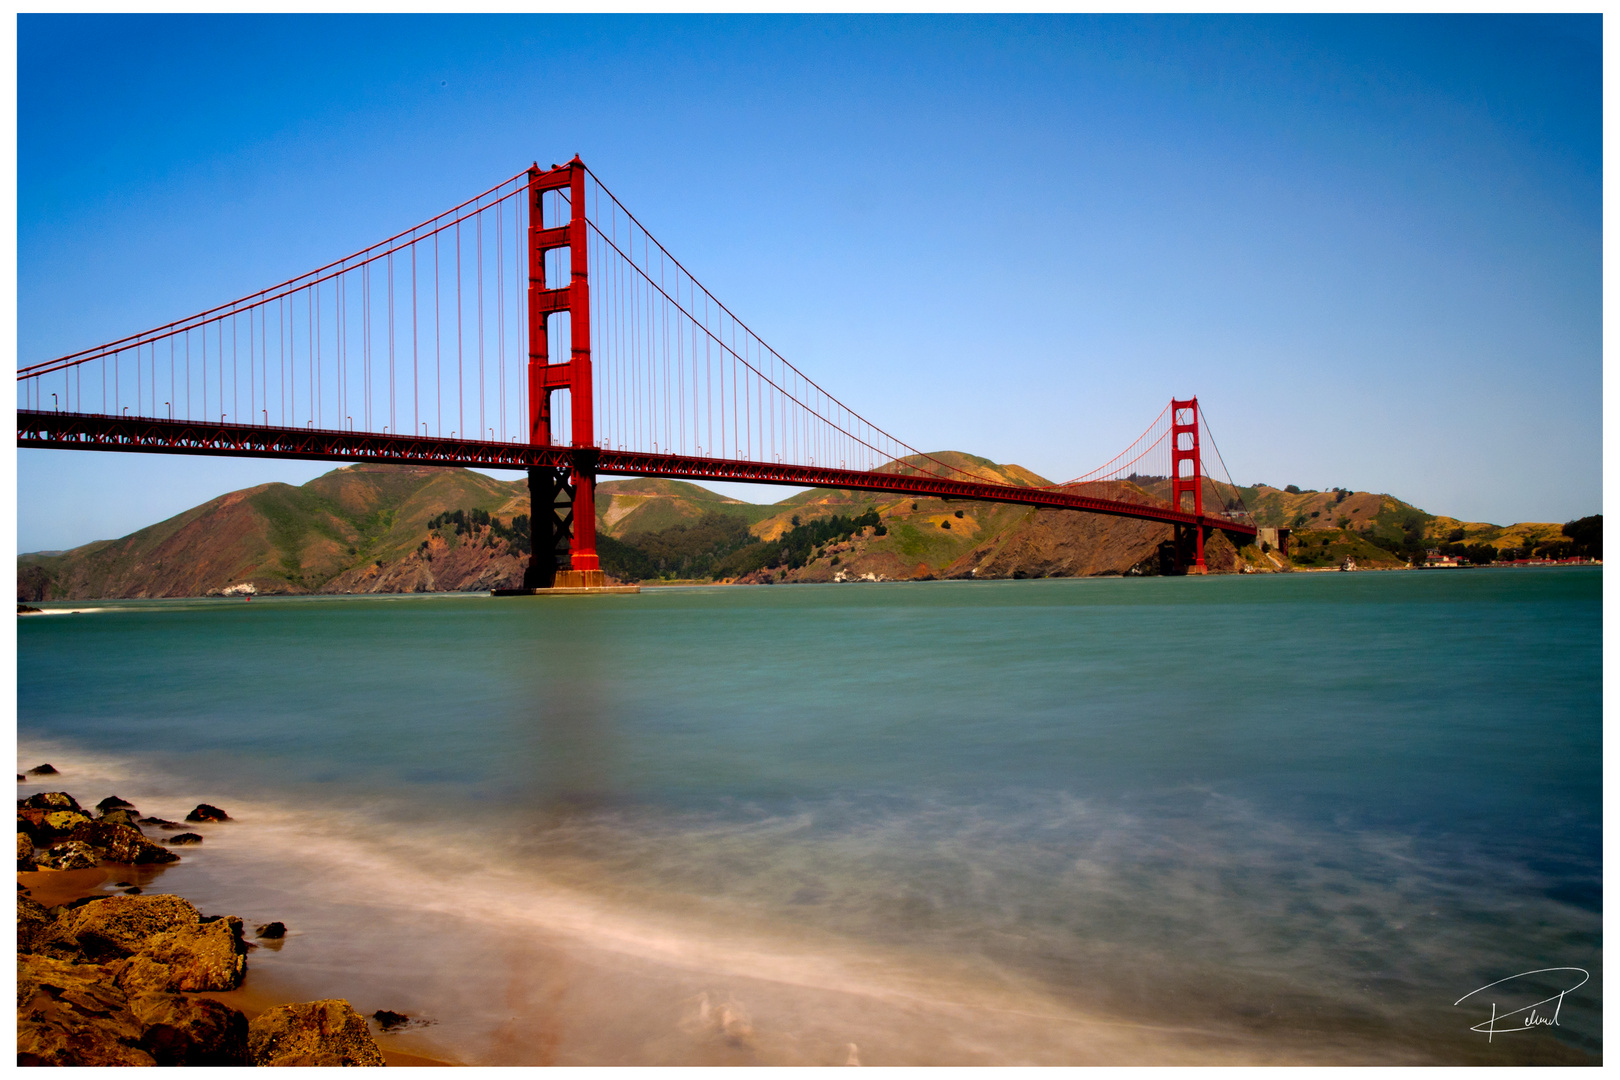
[[1196, 566], [551, 515], [1187, 472], [1184, 553], [563, 536], [584, 569]]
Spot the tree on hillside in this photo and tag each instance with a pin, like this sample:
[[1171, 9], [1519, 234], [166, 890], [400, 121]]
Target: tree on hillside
[[1479, 554], [799, 545], [692, 550], [1586, 536]]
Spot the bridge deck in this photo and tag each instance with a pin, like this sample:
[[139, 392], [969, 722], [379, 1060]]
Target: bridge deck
[[89, 431]]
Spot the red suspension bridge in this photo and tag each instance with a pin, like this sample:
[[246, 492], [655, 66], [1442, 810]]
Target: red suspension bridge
[[540, 326]]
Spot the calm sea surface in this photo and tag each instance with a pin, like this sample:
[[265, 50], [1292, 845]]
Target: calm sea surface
[[1268, 818]]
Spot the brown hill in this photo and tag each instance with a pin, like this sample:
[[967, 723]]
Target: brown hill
[[930, 537], [355, 529], [377, 529]]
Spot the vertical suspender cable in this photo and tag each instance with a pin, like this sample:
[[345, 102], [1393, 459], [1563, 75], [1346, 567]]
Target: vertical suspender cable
[[416, 372], [393, 420], [478, 250], [438, 347], [461, 384], [500, 315]]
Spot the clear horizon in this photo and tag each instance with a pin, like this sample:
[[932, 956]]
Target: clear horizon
[[1370, 244]]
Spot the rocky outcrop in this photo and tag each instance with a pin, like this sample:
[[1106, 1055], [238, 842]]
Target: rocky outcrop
[[208, 956], [69, 1014], [121, 843], [50, 800], [118, 926], [326, 1032], [74, 1014], [190, 1031], [49, 816], [103, 982], [68, 855], [47, 826], [475, 564], [33, 920], [163, 943], [110, 979]]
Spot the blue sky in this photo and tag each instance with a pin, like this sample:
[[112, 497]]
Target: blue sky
[[1370, 245]]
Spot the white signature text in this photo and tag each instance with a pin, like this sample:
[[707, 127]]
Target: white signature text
[[1543, 1013]]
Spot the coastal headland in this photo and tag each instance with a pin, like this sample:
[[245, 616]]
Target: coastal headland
[[377, 529]]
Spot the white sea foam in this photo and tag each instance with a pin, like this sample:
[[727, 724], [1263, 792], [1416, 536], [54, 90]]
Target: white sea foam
[[561, 958]]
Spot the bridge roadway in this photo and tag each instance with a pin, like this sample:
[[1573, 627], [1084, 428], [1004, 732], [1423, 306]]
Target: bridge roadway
[[90, 431]]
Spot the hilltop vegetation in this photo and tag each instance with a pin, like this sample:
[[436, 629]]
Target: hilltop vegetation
[[646, 506], [379, 529], [1381, 530]]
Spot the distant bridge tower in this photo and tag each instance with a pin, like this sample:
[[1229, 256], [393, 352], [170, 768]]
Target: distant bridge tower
[[562, 502], [1187, 474]]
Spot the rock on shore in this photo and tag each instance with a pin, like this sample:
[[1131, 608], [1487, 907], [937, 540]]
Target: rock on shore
[[103, 982], [326, 1032], [106, 982], [54, 820], [106, 979]]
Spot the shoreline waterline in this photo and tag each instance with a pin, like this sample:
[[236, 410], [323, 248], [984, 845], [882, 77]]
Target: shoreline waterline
[[535, 961], [1091, 861]]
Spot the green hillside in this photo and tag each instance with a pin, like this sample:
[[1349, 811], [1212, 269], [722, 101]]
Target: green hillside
[[645, 505]]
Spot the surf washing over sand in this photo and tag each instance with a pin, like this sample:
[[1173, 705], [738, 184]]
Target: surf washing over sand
[[551, 963], [565, 838]]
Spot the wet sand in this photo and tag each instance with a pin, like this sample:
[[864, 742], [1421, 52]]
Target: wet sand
[[53, 887], [523, 978]]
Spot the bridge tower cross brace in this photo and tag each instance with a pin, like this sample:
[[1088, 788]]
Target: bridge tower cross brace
[[1184, 449], [562, 502]]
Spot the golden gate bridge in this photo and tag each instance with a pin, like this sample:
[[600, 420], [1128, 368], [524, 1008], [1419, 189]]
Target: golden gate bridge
[[539, 326]]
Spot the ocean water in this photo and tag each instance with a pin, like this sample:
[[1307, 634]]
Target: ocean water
[[1285, 818]]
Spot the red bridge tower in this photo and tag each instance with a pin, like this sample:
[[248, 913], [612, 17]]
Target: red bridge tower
[[1184, 451], [562, 502]]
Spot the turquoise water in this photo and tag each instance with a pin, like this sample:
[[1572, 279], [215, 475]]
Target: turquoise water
[[1286, 818]]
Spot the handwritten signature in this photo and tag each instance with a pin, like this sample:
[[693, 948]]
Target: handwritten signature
[[1528, 1017]]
